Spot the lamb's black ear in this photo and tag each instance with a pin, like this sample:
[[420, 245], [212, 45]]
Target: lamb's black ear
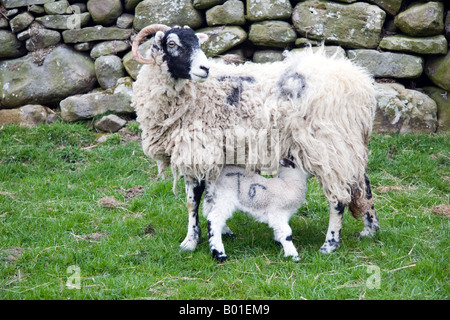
[[287, 163]]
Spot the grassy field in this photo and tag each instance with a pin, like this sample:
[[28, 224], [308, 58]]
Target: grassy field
[[84, 220]]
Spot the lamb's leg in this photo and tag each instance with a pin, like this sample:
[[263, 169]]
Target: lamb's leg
[[209, 202], [216, 223], [283, 234], [194, 191], [334, 228]]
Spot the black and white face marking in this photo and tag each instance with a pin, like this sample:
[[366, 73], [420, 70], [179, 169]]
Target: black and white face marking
[[182, 53]]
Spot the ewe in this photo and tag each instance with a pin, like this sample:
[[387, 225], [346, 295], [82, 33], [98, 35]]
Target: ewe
[[195, 114]]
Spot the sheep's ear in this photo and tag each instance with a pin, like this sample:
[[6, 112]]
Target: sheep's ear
[[202, 37], [287, 163], [158, 38]]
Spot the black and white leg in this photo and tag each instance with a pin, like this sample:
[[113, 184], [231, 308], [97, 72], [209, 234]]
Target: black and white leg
[[215, 240], [194, 191], [283, 234], [217, 217], [216, 223], [209, 203], [332, 239], [371, 224]]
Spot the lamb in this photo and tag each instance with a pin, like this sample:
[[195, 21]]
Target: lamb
[[272, 201], [198, 115]]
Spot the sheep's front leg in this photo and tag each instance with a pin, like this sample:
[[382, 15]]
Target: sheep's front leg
[[194, 191], [334, 228]]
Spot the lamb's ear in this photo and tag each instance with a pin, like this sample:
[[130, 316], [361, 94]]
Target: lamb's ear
[[158, 38], [287, 163], [202, 37]]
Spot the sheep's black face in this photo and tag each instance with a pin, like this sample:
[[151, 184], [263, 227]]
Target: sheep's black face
[[182, 53]]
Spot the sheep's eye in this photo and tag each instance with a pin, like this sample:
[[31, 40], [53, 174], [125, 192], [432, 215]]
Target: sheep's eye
[[171, 44]]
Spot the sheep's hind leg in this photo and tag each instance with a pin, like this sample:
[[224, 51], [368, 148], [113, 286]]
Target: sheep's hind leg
[[332, 239], [365, 208], [283, 234], [371, 224], [194, 191]]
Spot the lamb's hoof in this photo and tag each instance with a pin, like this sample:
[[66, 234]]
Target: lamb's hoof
[[188, 245], [219, 256], [329, 247]]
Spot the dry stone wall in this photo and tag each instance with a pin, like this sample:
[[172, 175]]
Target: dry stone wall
[[72, 58]]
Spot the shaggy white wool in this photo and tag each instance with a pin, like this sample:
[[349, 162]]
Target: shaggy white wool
[[320, 108]]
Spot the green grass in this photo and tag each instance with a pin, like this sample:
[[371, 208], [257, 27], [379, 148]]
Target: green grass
[[53, 177]]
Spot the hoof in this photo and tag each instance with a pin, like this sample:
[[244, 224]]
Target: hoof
[[329, 247], [368, 232], [219, 256], [188, 245]]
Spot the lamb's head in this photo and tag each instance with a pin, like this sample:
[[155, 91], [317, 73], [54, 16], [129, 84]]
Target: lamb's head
[[180, 50], [289, 168]]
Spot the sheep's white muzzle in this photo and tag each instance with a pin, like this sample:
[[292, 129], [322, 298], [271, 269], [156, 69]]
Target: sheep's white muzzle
[[199, 66]]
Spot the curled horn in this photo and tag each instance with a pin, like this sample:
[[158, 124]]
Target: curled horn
[[149, 30]]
